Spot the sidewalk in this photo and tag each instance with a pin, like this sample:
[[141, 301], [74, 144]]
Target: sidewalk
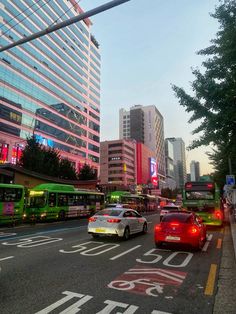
[[225, 301]]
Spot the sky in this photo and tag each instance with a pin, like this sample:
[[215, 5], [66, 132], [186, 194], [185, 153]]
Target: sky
[[145, 46]]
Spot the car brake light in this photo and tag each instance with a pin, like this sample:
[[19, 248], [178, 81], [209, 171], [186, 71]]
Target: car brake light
[[114, 220], [188, 185], [193, 230], [210, 185], [174, 224], [92, 219], [158, 228], [218, 215]]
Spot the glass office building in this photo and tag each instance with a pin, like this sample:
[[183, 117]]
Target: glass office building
[[50, 87]]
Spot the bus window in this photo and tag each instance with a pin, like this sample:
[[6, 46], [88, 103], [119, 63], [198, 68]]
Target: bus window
[[52, 200], [62, 199]]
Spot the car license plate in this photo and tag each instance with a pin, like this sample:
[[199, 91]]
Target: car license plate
[[99, 230], [172, 238]]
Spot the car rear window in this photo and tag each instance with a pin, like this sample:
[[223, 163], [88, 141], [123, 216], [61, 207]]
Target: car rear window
[[183, 218], [109, 212], [170, 208]]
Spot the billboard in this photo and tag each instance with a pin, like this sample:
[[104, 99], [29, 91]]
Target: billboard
[[153, 171]]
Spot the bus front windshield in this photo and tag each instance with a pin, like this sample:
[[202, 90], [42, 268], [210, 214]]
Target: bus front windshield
[[37, 199], [200, 195]]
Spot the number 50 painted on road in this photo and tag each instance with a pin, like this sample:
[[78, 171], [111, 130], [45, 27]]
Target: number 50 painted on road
[[167, 261]]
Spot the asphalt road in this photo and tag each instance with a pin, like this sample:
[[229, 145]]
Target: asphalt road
[[59, 268]]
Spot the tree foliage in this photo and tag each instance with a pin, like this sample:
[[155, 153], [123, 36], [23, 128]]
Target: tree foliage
[[87, 173], [44, 160], [213, 103]]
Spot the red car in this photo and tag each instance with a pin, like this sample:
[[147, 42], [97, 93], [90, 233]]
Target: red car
[[181, 227]]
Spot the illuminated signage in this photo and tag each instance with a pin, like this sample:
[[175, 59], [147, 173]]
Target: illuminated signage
[[153, 171]]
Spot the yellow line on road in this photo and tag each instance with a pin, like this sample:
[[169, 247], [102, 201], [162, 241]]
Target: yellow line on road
[[211, 280], [219, 244]]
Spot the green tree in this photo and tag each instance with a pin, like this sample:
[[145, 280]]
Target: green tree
[[46, 160], [87, 173], [213, 102], [67, 170]]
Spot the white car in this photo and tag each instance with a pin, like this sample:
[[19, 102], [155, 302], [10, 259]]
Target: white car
[[121, 222], [168, 208]]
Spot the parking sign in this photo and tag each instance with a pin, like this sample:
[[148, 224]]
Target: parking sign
[[230, 179]]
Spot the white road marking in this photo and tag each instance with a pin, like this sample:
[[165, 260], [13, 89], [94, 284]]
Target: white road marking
[[4, 258], [125, 252], [209, 238]]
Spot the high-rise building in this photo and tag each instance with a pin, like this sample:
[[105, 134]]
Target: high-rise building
[[145, 125], [194, 170], [118, 163], [50, 87], [179, 161], [170, 171]]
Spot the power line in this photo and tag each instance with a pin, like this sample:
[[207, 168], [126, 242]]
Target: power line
[[24, 17], [73, 20]]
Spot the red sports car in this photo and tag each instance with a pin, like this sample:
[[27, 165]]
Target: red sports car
[[180, 227]]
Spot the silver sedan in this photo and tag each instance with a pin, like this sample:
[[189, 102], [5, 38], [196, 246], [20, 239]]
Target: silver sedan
[[121, 222]]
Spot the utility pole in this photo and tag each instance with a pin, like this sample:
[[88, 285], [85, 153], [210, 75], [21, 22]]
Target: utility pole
[[73, 20]]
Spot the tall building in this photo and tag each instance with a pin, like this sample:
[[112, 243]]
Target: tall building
[[118, 163], [194, 170], [145, 125], [179, 161], [170, 171], [50, 87]]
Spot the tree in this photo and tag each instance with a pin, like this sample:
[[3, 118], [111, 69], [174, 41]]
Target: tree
[[46, 160], [87, 173], [214, 99]]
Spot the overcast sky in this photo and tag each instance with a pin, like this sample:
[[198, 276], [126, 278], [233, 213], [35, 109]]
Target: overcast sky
[[147, 45]]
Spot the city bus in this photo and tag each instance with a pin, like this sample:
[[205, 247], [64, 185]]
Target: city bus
[[203, 198], [50, 201], [11, 203], [115, 197]]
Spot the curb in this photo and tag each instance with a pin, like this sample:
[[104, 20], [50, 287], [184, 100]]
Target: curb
[[233, 232]]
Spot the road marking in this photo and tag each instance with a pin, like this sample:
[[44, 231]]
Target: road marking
[[219, 244], [4, 258], [125, 252], [211, 280], [209, 238]]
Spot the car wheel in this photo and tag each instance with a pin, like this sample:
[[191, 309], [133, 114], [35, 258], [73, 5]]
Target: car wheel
[[158, 244], [95, 236], [144, 228], [126, 233]]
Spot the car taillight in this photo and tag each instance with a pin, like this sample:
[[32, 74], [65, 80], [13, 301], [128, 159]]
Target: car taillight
[[158, 228], [92, 219], [193, 230], [218, 214], [114, 220], [174, 224]]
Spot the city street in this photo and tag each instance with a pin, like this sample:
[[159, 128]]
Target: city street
[[59, 268]]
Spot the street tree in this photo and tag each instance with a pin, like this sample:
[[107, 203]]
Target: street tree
[[46, 160], [87, 173], [213, 98]]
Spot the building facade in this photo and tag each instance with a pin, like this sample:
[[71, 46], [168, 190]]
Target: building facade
[[145, 158], [50, 87], [118, 163], [170, 170], [179, 161], [194, 170], [145, 124]]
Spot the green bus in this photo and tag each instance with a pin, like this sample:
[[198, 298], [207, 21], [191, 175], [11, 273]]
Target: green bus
[[203, 198], [50, 201], [116, 196], [11, 203]]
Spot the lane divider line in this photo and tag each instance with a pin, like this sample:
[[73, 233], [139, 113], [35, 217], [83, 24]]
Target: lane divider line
[[211, 280], [219, 243], [125, 252]]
